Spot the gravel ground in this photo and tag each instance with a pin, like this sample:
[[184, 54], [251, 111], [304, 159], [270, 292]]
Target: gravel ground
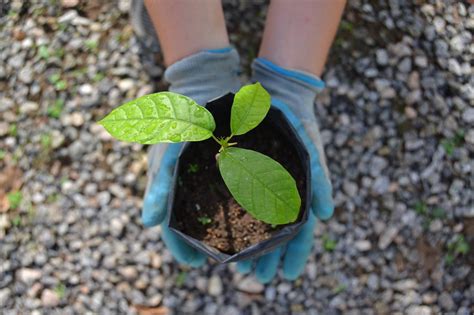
[[398, 126]]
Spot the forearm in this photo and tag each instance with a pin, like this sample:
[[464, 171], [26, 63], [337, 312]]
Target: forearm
[[299, 34], [185, 27]]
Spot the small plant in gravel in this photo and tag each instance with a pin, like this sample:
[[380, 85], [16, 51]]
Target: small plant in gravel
[[428, 214], [261, 185], [457, 247], [181, 278], [60, 290], [450, 144], [59, 84], [329, 244], [55, 109], [14, 199]]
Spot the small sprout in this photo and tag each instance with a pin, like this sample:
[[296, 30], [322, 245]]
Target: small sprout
[[16, 221], [14, 199], [54, 111], [12, 14], [450, 144], [204, 220], [2, 154], [60, 290], [59, 84], [62, 27], [193, 168], [458, 247], [52, 198], [43, 52], [79, 72], [59, 52], [91, 44], [54, 78], [421, 208], [449, 259], [181, 278], [428, 215], [438, 213], [46, 141], [329, 244], [340, 288], [347, 26], [13, 130], [99, 76]]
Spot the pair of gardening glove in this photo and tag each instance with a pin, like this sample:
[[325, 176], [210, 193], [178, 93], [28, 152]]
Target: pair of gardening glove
[[207, 75]]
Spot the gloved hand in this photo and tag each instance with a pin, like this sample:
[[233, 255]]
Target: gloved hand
[[203, 77], [293, 92]]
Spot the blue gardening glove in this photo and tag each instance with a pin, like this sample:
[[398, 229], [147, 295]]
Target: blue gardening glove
[[203, 77], [293, 92]]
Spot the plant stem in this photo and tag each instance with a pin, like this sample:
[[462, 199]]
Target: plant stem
[[217, 140]]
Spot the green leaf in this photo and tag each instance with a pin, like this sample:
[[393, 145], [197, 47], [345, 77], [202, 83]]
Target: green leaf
[[14, 199], [329, 244], [261, 185], [251, 105], [204, 220], [160, 117]]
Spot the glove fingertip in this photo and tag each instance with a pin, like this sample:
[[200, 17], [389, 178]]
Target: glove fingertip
[[267, 266], [323, 211], [244, 266], [292, 274], [152, 214], [198, 260], [149, 217], [322, 203], [293, 267]]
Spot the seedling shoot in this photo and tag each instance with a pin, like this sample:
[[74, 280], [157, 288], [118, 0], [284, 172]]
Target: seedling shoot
[[261, 185]]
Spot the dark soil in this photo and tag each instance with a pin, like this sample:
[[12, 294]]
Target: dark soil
[[204, 207]]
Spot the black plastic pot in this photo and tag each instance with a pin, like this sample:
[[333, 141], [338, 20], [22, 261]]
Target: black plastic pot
[[220, 108]]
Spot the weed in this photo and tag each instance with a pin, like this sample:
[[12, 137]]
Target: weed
[[14, 199]]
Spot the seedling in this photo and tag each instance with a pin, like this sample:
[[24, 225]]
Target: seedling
[[60, 290], [261, 185], [329, 244], [43, 52], [181, 278], [429, 215], [92, 44], [458, 247], [14, 199], [450, 144], [193, 168], [58, 83], [340, 288], [54, 111], [204, 220], [13, 130], [16, 221]]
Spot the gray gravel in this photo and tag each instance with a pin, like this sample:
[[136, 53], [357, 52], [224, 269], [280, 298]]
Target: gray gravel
[[398, 125]]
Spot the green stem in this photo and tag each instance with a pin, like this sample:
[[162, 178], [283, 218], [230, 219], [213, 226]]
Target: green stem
[[217, 140]]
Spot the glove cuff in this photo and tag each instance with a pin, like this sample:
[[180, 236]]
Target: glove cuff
[[205, 75], [297, 89]]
